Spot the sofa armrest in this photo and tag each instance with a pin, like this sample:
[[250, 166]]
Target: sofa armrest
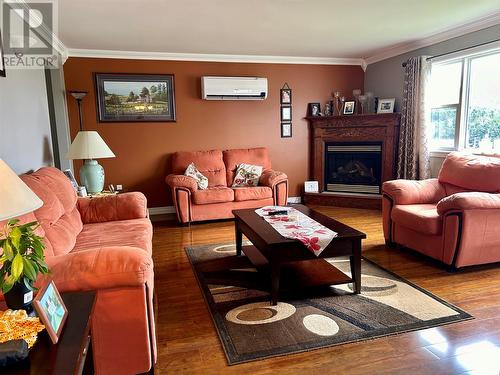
[[181, 181], [124, 206], [468, 201], [414, 192], [100, 268], [270, 178]]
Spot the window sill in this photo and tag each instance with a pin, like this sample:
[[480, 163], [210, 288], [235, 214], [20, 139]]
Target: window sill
[[440, 153]]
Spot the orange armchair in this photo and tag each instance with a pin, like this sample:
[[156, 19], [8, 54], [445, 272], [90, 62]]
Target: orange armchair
[[453, 218]]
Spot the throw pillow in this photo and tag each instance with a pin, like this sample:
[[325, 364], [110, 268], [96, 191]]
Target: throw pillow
[[201, 180], [247, 175]]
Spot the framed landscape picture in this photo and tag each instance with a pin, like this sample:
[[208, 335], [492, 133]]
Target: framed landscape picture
[[135, 97]]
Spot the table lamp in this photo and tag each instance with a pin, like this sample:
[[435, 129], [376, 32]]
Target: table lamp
[[89, 145], [16, 198]]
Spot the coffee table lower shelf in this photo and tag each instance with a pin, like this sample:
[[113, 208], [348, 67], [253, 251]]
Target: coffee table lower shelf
[[299, 274]]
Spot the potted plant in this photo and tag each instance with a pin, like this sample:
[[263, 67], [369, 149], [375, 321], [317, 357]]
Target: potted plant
[[21, 260]]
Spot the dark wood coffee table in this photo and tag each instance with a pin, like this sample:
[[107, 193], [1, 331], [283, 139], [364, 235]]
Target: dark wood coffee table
[[271, 252], [73, 353]]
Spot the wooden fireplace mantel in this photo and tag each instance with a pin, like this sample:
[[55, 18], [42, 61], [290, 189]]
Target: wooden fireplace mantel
[[382, 128]]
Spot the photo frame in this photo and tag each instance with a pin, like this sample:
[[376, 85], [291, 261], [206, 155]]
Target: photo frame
[[286, 113], [135, 97], [2, 62], [51, 310], [72, 178], [349, 107], [286, 130], [386, 105], [314, 109], [286, 96], [311, 187]]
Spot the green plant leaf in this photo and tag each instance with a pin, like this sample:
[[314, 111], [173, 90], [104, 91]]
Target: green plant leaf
[[17, 267], [7, 284], [7, 250], [12, 222], [29, 270], [15, 237], [28, 284]]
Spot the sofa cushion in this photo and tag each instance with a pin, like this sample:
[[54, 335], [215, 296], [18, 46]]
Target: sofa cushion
[[209, 163], [472, 172], [247, 175], [216, 194], [255, 156], [252, 193], [134, 232], [193, 172], [419, 217], [58, 216]]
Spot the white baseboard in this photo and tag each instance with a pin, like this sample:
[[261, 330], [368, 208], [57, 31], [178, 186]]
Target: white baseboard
[[161, 210], [171, 210]]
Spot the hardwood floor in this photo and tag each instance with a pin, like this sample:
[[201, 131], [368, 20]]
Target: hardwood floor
[[188, 342]]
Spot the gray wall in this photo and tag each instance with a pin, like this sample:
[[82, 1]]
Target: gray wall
[[385, 78], [25, 138]]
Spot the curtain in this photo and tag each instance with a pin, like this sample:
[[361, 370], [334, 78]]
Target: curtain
[[413, 156]]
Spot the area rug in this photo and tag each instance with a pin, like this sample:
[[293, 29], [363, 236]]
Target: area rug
[[250, 328]]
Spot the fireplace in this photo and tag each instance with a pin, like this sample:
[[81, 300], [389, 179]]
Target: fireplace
[[353, 167], [351, 156]]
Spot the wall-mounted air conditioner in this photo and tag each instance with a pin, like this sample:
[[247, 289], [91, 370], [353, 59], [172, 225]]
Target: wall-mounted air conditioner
[[233, 88]]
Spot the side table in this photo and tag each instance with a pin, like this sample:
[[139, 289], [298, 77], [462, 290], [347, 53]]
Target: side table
[[73, 353]]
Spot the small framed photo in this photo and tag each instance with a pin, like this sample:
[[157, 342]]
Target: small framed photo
[[311, 187], [71, 177], [286, 130], [314, 109], [286, 96], [286, 113], [386, 105], [349, 107], [51, 310]]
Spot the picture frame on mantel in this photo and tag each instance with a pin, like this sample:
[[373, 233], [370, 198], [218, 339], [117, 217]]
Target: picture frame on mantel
[[386, 105], [349, 107], [135, 97]]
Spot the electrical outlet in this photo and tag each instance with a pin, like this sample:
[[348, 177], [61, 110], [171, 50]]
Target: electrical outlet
[[119, 187]]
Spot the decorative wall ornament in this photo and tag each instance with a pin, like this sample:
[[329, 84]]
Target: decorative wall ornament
[[286, 111]]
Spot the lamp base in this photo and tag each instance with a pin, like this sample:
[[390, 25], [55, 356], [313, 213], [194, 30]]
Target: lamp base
[[92, 176]]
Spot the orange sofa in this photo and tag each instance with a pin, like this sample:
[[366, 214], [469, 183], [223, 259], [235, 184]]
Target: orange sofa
[[454, 218], [101, 244], [220, 198]]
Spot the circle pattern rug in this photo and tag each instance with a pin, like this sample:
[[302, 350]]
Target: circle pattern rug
[[250, 328]]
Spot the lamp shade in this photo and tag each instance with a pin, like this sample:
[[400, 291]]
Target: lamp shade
[[89, 145], [16, 198]]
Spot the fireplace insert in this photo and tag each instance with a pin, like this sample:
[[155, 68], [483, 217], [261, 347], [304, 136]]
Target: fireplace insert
[[353, 167]]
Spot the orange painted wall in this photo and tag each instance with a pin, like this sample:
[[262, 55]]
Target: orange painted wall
[[143, 149]]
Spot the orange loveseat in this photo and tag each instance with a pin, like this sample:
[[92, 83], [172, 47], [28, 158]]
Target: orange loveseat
[[454, 218], [217, 202], [101, 244]]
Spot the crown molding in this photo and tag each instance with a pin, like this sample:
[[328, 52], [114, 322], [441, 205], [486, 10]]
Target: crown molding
[[399, 49], [111, 54]]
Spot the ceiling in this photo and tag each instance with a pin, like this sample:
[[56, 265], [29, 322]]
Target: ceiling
[[298, 28]]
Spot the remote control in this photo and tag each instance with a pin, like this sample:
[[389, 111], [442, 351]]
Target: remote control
[[278, 212]]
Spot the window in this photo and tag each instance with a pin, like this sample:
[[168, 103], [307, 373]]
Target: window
[[464, 97]]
